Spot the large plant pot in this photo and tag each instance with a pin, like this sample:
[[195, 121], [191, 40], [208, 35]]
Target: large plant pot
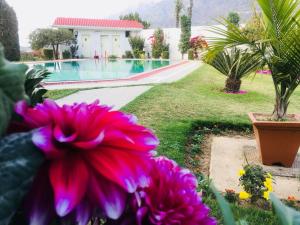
[[278, 142]]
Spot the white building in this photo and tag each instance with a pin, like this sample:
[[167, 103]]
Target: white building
[[100, 37]]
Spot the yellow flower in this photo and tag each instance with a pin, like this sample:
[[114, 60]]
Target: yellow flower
[[242, 172], [244, 195], [269, 180], [267, 195]]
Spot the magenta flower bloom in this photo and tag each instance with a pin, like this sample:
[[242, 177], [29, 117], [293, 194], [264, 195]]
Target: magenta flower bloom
[[170, 199], [94, 158]]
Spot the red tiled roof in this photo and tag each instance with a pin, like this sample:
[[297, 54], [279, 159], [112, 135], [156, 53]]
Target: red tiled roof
[[80, 22]]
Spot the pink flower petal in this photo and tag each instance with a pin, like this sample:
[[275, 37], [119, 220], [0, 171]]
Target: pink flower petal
[[109, 196], [43, 139], [39, 206], [69, 179]]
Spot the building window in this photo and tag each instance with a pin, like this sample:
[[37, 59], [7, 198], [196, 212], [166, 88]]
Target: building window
[[127, 33]]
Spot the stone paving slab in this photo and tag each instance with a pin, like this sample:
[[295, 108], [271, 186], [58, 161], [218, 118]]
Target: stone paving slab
[[228, 156], [116, 97]]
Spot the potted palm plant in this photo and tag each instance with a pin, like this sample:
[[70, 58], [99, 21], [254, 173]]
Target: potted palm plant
[[277, 134], [235, 64]]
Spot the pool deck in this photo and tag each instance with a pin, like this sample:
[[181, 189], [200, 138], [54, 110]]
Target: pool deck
[[120, 93], [166, 74]]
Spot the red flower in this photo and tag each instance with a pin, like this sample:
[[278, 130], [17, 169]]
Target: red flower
[[171, 198], [94, 157]]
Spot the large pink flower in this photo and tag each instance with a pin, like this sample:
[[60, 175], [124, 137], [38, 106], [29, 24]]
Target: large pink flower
[[94, 157], [171, 198]]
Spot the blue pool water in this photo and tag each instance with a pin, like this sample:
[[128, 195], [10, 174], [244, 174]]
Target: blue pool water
[[99, 69]]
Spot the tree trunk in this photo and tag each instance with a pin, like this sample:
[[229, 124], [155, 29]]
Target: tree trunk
[[56, 52], [191, 9], [54, 55], [280, 108], [233, 85]]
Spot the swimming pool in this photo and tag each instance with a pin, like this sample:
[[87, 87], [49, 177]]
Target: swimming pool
[[88, 70]]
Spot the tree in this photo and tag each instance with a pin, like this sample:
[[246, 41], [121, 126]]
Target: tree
[[178, 9], [159, 45], [41, 38], [191, 9], [137, 44], [278, 48], [234, 18], [184, 44], [135, 16], [9, 32], [254, 28]]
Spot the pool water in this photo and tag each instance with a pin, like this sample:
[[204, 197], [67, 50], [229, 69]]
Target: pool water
[[99, 69]]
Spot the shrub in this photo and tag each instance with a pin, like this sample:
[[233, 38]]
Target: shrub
[[190, 54], [137, 44], [257, 183], [9, 32], [27, 56], [185, 34], [48, 53], [128, 55], [158, 44], [230, 196], [66, 54], [138, 53], [165, 55], [112, 57], [235, 64]]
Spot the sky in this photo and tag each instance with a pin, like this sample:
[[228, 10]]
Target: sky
[[33, 14]]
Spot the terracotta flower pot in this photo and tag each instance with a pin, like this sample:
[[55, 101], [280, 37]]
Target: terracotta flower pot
[[277, 141]]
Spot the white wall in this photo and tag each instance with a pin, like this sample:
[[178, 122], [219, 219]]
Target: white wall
[[172, 36], [95, 42]]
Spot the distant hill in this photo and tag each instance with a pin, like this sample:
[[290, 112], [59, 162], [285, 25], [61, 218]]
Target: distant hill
[[161, 14]]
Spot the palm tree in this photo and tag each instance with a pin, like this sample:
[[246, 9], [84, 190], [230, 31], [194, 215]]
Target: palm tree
[[178, 9], [279, 48], [191, 9], [234, 64]]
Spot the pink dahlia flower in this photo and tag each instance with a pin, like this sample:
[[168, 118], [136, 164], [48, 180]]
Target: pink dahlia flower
[[171, 198], [94, 158]]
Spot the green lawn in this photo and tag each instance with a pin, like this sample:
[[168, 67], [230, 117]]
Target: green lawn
[[57, 94], [172, 109], [175, 110]]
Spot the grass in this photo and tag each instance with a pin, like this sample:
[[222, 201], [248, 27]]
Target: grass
[[174, 110], [57, 94]]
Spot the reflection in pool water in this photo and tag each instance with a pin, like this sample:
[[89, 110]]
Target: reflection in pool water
[[99, 69]]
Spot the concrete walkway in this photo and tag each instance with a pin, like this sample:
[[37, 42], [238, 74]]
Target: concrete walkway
[[228, 156], [116, 97]]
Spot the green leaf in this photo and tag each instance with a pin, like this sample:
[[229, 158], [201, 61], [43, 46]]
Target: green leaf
[[19, 161], [12, 78], [286, 215], [225, 208]]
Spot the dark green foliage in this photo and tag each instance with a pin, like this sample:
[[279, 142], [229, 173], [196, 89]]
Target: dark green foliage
[[178, 8], [128, 55], [27, 56], [135, 16], [48, 53], [184, 44], [234, 18], [137, 45], [235, 64], [253, 181], [12, 77], [9, 36], [159, 45], [66, 54], [112, 57], [41, 38], [190, 54], [165, 55], [33, 88], [254, 28], [19, 161]]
